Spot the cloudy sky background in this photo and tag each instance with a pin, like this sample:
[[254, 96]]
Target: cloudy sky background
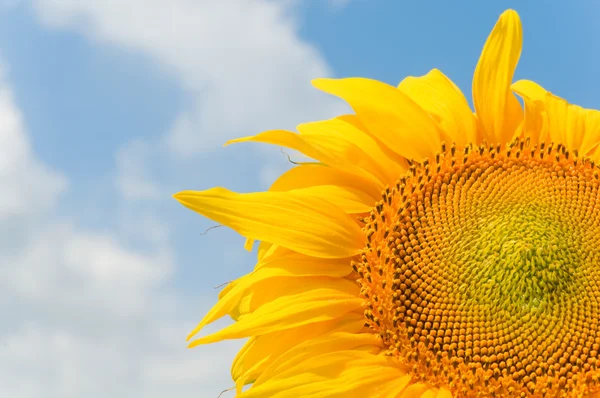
[[107, 107]]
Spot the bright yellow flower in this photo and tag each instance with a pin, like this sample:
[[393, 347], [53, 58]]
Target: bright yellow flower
[[429, 251]]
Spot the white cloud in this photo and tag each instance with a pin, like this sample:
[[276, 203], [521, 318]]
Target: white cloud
[[89, 315], [27, 185], [180, 373], [241, 60], [143, 226], [83, 315], [133, 180], [47, 362]]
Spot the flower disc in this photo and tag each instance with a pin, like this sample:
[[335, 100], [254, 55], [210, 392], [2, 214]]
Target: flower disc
[[482, 271]]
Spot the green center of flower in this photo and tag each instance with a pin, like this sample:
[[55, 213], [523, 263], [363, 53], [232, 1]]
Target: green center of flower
[[482, 272], [523, 255]]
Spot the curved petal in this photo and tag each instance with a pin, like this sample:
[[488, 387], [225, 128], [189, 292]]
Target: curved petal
[[261, 351], [416, 390], [316, 174], [333, 158], [439, 96], [535, 122], [286, 264], [529, 89], [350, 200], [336, 374], [265, 249], [576, 127], [348, 141], [389, 115], [444, 393], [308, 175], [496, 106], [320, 299], [397, 159], [330, 342], [268, 290], [303, 223]]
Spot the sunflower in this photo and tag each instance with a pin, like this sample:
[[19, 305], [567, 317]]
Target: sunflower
[[429, 251]]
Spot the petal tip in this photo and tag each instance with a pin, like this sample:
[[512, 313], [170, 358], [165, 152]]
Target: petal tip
[[238, 140], [193, 344], [191, 335], [320, 82], [512, 14], [178, 196]]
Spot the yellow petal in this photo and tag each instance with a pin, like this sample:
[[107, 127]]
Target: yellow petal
[[300, 222], [391, 389], [529, 89], [399, 160], [496, 107], [572, 125], [308, 349], [336, 374], [266, 291], [430, 393], [348, 199], [433, 392], [535, 124], [389, 115], [557, 111], [439, 96], [249, 244], [309, 175], [334, 158], [339, 136], [281, 257], [534, 97], [275, 269], [322, 299], [264, 248], [261, 351], [415, 390], [444, 393], [568, 124]]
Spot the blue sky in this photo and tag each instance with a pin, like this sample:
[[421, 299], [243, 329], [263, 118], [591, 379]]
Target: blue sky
[[108, 107]]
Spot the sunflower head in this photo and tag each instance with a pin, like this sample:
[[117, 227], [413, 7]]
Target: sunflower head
[[429, 250]]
